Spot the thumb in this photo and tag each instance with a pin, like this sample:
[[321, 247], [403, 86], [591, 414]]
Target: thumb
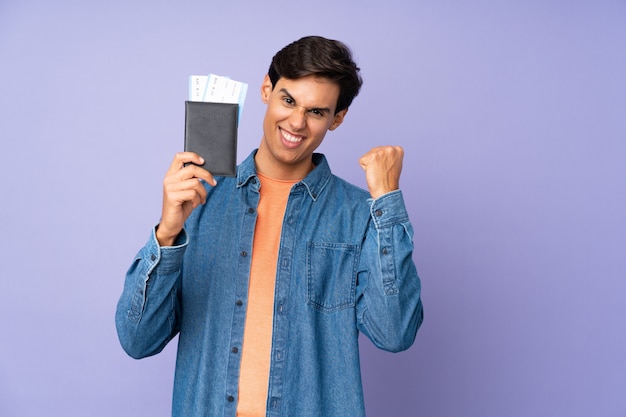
[[364, 160]]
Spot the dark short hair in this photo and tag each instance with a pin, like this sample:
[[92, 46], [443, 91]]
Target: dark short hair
[[321, 57]]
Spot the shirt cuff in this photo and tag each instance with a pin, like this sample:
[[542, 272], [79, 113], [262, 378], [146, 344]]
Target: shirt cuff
[[388, 209], [166, 259]]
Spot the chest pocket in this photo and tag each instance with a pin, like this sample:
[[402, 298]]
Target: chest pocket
[[331, 275]]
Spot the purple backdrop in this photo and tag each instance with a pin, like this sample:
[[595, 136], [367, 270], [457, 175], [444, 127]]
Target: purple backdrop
[[512, 115]]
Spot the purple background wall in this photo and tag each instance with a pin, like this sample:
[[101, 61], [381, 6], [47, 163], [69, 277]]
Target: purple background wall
[[512, 115]]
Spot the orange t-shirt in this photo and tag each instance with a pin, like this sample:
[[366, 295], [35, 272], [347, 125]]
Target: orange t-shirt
[[257, 338]]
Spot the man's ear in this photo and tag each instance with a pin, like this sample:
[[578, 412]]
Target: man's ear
[[266, 89], [338, 120]]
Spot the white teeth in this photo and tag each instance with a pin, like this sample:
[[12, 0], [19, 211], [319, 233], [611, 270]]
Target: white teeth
[[290, 138]]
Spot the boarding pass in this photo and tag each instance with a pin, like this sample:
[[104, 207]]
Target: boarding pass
[[217, 89]]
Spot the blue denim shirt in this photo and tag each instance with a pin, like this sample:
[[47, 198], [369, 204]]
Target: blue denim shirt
[[344, 267]]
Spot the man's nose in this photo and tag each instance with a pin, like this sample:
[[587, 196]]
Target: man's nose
[[297, 119]]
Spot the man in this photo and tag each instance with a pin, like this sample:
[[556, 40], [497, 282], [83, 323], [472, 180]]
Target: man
[[269, 277]]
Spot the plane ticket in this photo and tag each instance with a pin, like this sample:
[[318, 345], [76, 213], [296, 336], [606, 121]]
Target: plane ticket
[[217, 89]]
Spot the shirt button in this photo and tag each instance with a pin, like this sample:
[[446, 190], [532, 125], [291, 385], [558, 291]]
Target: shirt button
[[238, 303], [153, 257], [235, 350], [244, 253], [250, 210], [385, 251], [230, 398], [378, 213]]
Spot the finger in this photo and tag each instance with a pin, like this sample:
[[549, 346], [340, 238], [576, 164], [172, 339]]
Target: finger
[[201, 192], [183, 158], [399, 151], [192, 184], [187, 200], [365, 159], [189, 172], [382, 153], [184, 197], [204, 174]]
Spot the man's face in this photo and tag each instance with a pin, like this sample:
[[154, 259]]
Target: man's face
[[298, 115]]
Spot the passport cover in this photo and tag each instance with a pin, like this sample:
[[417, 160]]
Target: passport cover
[[211, 132]]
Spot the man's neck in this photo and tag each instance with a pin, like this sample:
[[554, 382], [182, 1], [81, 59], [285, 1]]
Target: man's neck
[[282, 171]]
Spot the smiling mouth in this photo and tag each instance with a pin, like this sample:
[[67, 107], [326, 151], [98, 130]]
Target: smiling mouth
[[291, 138]]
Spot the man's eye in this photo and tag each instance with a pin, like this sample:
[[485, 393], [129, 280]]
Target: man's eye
[[318, 114], [288, 101]]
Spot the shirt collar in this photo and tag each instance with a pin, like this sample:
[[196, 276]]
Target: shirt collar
[[314, 182]]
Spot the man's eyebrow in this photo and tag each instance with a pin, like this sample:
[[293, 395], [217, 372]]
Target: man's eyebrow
[[285, 92]]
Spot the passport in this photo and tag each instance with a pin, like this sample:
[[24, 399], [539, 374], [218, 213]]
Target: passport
[[211, 132]]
